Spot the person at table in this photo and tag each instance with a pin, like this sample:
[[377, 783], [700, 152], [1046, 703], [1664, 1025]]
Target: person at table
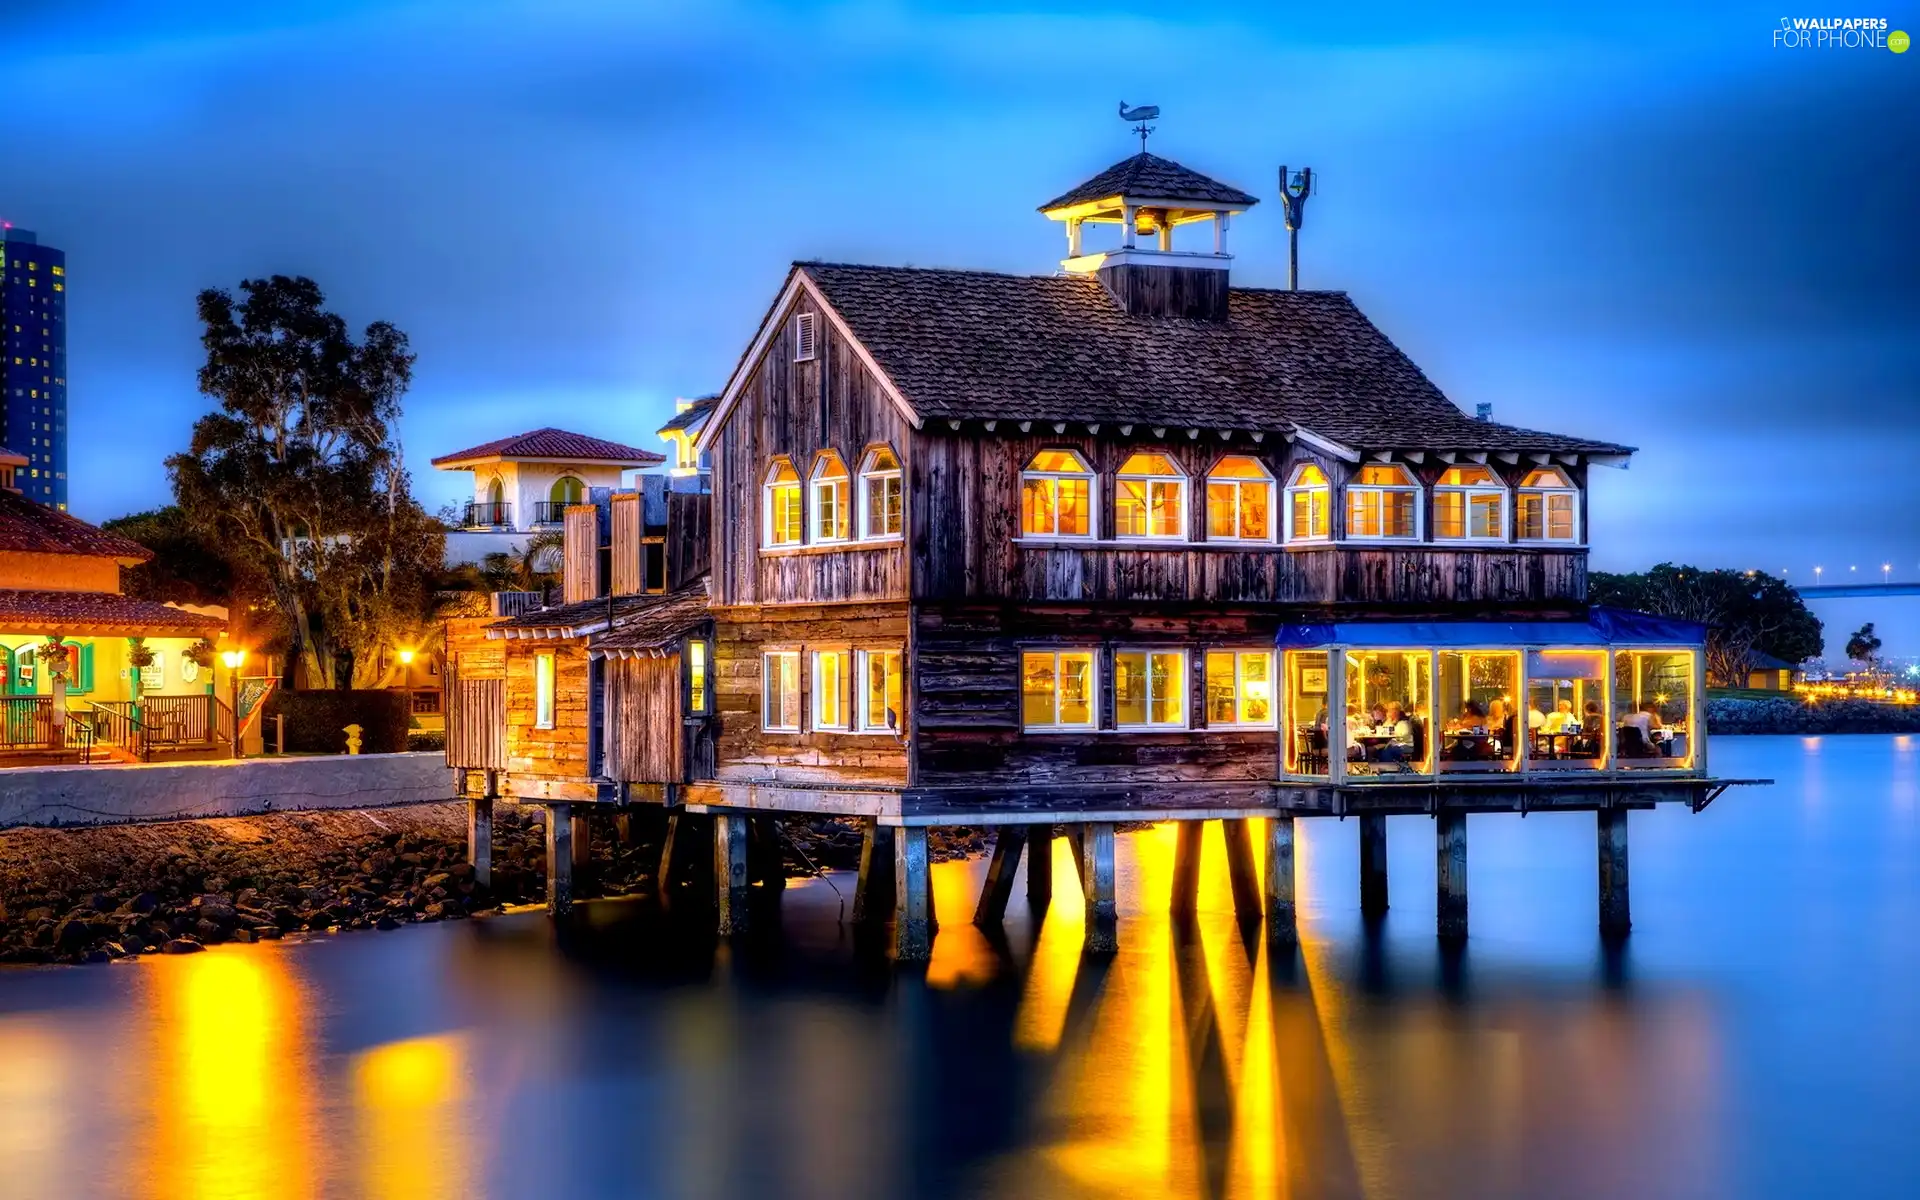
[[1399, 731], [1636, 731], [1562, 720], [1592, 728], [1359, 727], [1536, 719], [1500, 724], [1467, 732]]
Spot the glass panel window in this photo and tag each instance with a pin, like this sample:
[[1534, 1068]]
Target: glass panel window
[[1150, 689], [1483, 728], [1383, 501], [1306, 704], [880, 495], [1239, 501], [830, 689], [1056, 689], [1566, 709], [780, 691], [1056, 496], [1150, 498], [567, 490], [1308, 499], [543, 699], [1469, 502], [879, 691], [1389, 728], [1546, 507], [782, 512], [1240, 687], [696, 677], [1653, 694], [831, 508]]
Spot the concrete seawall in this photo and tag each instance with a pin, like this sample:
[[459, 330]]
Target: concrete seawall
[[116, 795]]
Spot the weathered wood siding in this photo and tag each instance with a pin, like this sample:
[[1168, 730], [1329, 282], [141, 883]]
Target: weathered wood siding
[[628, 560], [646, 737], [580, 558], [560, 752], [689, 537], [799, 409], [473, 695]]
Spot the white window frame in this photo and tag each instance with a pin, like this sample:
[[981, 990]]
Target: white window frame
[[1092, 722], [545, 688], [768, 487], [1054, 477], [1382, 491], [817, 482], [1186, 690], [1467, 492], [1296, 492], [1240, 483], [806, 345], [1545, 496], [884, 476], [1273, 682], [767, 667], [838, 723], [861, 659], [1179, 481]]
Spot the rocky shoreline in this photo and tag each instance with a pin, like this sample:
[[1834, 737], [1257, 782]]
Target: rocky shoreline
[[1788, 716], [92, 895]]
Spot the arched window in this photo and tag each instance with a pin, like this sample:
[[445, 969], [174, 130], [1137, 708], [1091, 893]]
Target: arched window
[[567, 490], [1239, 501], [832, 507], [1150, 498], [1547, 508], [496, 493], [1056, 496], [781, 510], [1309, 497], [881, 514], [1383, 501], [1469, 504]]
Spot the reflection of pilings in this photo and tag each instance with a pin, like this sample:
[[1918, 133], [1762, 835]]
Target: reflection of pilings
[[559, 859], [1240, 872], [1210, 1082], [1615, 915], [480, 829], [1373, 864], [873, 891], [1040, 866], [998, 888], [730, 872], [913, 896], [1281, 926], [1186, 869], [1096, 876], [582, 851], [1450, 855]]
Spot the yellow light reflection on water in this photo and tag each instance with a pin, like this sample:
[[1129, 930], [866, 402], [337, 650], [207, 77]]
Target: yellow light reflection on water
[[37, 1098], [961, 953], [409, 1102], [1042, 1017]]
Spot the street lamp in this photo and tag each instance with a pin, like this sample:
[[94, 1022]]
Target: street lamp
[[233, 658]]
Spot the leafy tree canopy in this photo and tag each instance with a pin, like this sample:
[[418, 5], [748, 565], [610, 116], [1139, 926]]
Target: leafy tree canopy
[[1864, 646], [1746, 613]]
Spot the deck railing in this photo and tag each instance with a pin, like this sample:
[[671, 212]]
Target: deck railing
[[114, 724], [550, 512], [488, 514], [26, 723]]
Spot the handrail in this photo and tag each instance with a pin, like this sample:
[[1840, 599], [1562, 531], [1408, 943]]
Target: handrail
[[116, 726]]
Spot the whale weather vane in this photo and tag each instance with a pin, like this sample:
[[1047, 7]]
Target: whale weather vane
[[1142, 114]]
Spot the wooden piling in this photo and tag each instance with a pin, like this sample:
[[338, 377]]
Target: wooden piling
[[1077, 839], [873, 890], [1186, 870], [1616, 916], [559, 859], [623, 828], [730, 872], [1040, 866], [770, 864], [1282, 926], [1450, 851], [582, 851], [912, 896], [480, 838], [1240, 873], [1373, 865], [1008, 841], [1096, 872]]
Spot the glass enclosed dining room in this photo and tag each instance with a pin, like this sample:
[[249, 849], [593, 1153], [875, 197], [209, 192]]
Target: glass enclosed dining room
[[1384, 701]]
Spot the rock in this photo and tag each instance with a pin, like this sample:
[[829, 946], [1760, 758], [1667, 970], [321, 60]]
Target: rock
[[243, 936], [246, 897], [145, 902], [268, 933], [461, 870], [438, 879], [77, 931], [386, 922], [182, 945], [33, 915], [96, 956], [209, 931]]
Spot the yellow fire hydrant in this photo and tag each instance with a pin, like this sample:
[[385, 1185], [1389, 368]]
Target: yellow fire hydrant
[[353, 739]]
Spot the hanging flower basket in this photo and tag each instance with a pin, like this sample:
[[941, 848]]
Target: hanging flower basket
[[138, 654], [200, 653]]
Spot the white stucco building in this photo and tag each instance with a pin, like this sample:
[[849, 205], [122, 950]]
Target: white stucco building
[[522, 484]]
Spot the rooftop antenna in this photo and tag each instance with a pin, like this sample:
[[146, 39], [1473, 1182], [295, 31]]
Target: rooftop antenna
[[1294, 190], [1143, 113]]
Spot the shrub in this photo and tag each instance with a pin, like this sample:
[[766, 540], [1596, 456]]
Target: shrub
[[316, 720]]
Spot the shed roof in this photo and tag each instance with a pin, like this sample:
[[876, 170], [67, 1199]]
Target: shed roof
[[571, 620], [550, 443], [658, 625], [1148, 176]]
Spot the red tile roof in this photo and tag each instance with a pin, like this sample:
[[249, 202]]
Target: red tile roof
[[556, 443], [104, 614], [30, 528]]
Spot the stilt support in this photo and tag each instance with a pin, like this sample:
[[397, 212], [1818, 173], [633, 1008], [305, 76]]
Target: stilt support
[[770, 869], [559, 859], [1186, 870], [582, 851], [1096, 874], [912, 896], [1240, 872], [1077, 839], [730, 872], [480, 838], [1040, 865], [1281, 924], [1615, 914], [873, 891], [1450, 850], [1373, 865], [1008, 841]]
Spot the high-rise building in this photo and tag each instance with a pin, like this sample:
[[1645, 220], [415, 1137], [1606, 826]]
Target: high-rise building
[[33, 368]]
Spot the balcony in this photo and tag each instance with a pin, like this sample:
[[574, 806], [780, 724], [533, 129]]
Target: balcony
[[551, 512], [489, 514]]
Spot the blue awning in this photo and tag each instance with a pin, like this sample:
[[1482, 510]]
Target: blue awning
[[1604, 627]]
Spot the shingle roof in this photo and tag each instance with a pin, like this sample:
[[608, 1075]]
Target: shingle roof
[[105, 614], [974, 344], [693, 414], [659, 624], [556, 443], [576, 620], [30, 528], [1150, 176]]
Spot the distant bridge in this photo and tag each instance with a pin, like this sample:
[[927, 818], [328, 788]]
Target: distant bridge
[[1836, 591]]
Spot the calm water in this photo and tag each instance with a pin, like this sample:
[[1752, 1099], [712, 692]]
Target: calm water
[[1759, 1036]]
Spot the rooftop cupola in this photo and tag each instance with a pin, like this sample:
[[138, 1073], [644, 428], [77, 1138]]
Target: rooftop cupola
[[1149, 198]]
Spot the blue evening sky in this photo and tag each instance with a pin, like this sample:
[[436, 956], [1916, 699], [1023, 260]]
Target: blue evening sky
[[1641, 222]]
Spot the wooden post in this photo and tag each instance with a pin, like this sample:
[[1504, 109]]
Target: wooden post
[[1040, 866], [1450, 850], [582, 850], [1007, 843], [770, 864], [1281, 922], [730, 871], [1615, 914], [1077, 839], [1373, 865], [623, 828], [912, 891], [1240, 872], [873, 891], [480, 838], [665, 876], [1186, 870], [559, 859], [1096, 870]]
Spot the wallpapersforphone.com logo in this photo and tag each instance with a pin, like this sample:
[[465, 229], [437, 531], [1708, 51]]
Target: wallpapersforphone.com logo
[[1839, 33]]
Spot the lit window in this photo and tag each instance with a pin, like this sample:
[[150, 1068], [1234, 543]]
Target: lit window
[[543, 690], [830, 689], [1056, 496], [803, 340], [59, 287], [1469, 503], [696, 677], [1383, 501], [1056, 689], [780, 691], [59, 270], [1149, 499], [1240, 687], [1308, 499], [1239, 501], [1150, 689], [830, 506], [1547, 508], [880, 495], [567, 490], [781, 511], [879, 691]]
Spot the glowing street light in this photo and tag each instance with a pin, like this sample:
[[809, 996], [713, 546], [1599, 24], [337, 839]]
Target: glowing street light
[[1816, 575], [233, 658], [406, 658], [1886, 572]]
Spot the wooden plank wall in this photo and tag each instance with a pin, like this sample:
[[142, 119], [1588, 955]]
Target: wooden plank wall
[[689, 537], [560, 752], [580, 560], [473, 695], [798, 410], [645, 739], [629, 569]]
